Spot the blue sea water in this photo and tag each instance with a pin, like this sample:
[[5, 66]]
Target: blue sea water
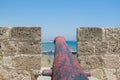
[[49, 46]]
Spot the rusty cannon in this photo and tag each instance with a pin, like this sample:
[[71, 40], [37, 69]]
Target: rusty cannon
[[65, 66]]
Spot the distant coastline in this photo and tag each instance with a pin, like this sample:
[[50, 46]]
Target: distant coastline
[[48, 47]]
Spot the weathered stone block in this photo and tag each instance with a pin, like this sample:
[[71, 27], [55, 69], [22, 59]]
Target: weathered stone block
[[113, 34], [111, 61], [101, 47], [20, 75], [26, 33], [98, 73], [85, 48], [110, 74], [19, 52], [29, 47], [9, 48], [89, 34], [4, 75], [4, 33], [7, 62], [90, 62], [27, 62], [114, 47]]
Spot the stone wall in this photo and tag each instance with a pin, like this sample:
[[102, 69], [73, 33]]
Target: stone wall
[[99, 51], [19, 53]]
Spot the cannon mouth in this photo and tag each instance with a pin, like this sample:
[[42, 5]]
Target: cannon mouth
[[59, 38]]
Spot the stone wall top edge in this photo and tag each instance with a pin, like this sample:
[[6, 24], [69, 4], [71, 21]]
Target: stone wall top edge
[[80, 27], [89, 27], [12, 27], [19, 26]]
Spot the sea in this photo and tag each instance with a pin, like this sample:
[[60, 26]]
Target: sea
[[48, 47]]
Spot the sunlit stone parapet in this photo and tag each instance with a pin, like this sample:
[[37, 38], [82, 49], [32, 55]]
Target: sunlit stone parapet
[[19, 52], [99, 51]]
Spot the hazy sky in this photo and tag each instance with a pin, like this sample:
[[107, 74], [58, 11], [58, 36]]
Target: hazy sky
[[60, 17]]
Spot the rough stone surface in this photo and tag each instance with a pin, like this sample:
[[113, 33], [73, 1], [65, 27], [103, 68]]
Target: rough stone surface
[[4, 33], [110, 74], [101, 47], [85, 48], [99, 51], [113, 34], [9, 48], [7, 62], [4, 75], [27, 62], [29, 47], [90, 62], [19, 52], [20, 75], [26, 33], [89, 34], [98, 73], [114, 47], [111, 61]]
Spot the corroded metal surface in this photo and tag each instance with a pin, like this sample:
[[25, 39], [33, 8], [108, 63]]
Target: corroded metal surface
[[66, 66]]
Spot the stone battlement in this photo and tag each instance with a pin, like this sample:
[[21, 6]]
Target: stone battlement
[[99, 51], [19, 52]]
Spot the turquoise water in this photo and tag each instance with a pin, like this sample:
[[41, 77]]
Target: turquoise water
[[49, 46]]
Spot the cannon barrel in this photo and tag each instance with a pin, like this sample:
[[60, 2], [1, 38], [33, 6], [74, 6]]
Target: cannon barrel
[[65, 66]]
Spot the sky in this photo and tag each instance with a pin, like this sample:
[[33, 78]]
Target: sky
[[60, 17]]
